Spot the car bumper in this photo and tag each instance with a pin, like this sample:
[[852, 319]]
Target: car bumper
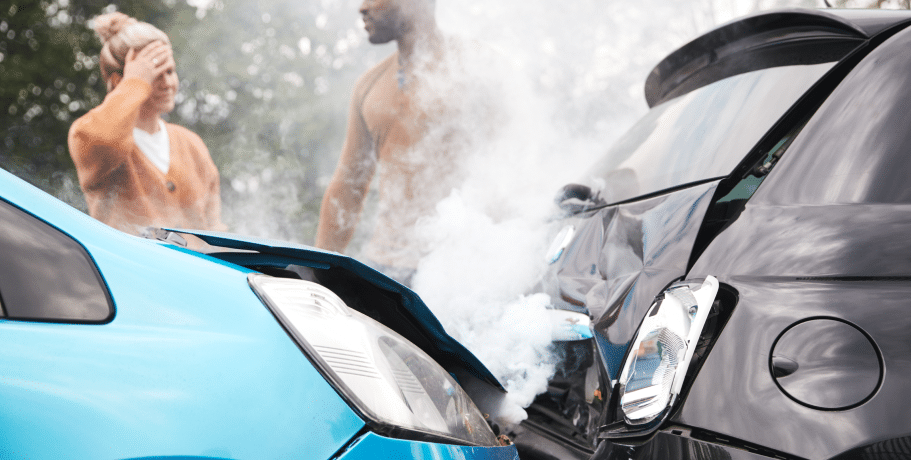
[[371, 446], [671, 446]]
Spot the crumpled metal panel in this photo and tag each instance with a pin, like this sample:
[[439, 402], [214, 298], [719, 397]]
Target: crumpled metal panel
[[625, 255], [444, 349]]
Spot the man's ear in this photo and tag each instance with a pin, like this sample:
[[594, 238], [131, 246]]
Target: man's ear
[[113, 81]]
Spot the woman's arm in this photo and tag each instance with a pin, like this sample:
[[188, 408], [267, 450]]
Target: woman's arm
[[101, 140]]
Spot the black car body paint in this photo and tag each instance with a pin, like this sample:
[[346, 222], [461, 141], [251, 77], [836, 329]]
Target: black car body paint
[[805, 229]]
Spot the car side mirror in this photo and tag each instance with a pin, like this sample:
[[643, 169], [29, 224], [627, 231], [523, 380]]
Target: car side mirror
[[574, 198]]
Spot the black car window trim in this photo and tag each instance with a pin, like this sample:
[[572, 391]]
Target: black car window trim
[[654, 194], [722, 213], [102, 283], [749, 184]]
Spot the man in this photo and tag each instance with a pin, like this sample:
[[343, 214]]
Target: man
[[400, 128]]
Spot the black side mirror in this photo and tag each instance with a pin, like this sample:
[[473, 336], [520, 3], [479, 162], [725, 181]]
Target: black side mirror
[[574, 198]]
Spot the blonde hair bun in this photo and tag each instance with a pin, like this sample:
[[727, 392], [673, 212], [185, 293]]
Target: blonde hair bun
[[109, 25], [119, 33]]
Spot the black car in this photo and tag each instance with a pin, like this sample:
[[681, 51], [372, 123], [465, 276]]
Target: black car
[[744, 255]]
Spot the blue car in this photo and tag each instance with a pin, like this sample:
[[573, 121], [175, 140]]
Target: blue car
[[119, 347]]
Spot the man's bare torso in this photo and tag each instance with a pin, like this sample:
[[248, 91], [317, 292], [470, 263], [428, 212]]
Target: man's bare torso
[[412, 140]]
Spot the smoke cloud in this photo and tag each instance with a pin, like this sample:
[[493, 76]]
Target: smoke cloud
[[541, 90], [553, 87]]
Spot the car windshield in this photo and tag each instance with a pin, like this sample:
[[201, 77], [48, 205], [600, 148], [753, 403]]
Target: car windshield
[[701, 135]]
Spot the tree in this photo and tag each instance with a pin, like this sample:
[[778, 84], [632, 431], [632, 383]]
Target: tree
[[267, 90], [266, 85]]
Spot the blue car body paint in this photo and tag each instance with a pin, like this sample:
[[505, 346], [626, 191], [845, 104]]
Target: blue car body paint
[[371, 446], [192, 365]]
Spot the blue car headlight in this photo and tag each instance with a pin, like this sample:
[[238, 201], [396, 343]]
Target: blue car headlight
[[389, 380]]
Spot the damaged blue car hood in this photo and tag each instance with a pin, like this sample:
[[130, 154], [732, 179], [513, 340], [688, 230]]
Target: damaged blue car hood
[[443, 348]]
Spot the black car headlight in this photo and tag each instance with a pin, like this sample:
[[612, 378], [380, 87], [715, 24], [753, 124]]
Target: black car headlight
[[389, 380], [660, 355]]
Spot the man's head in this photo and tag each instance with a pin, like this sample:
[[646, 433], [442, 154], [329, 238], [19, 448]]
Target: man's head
[[388, 20]]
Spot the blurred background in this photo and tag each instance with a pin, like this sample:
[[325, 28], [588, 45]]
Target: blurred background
[[265, 83]]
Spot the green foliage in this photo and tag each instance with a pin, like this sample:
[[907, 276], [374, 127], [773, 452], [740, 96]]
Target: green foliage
[[49, 74], [266, 84], [48, 79], [263, 103]]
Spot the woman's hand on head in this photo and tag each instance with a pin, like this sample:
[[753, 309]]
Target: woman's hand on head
[[148, 63]]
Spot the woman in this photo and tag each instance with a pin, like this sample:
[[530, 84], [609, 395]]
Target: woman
[[136, 170]]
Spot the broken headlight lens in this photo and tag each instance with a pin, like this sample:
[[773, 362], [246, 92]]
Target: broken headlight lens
[[384, 376], [661, 352]]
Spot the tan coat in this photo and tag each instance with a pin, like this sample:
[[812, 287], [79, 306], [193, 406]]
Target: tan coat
[[123, 188]]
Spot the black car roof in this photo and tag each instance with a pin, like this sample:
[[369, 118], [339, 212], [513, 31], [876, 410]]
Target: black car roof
[[763, 40]]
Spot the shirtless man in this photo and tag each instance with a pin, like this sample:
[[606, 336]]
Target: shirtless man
[[396, 130]]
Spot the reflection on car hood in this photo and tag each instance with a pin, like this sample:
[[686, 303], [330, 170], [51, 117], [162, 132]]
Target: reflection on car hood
[[446, 350]]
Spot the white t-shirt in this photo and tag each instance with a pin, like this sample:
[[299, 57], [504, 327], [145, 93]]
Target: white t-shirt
[[155, 146]]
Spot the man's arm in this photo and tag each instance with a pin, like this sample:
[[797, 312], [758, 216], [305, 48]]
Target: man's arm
[[344, 198]]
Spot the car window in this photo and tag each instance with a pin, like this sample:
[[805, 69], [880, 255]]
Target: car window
[[701, 135], [46, 275], [857, 147]]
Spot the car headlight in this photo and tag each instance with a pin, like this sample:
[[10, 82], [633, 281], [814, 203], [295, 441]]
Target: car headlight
[[560, 243], [661, 352], [393, 383]]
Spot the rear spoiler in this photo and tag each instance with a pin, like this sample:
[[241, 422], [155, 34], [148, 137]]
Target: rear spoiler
[[768, 39]]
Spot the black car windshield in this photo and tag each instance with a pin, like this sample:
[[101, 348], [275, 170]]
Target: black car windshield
[[700, 135]]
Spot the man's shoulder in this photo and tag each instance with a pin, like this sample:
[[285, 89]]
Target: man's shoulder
[[369, 78]]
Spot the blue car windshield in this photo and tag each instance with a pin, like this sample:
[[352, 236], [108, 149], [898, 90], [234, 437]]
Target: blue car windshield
[[701, 135]]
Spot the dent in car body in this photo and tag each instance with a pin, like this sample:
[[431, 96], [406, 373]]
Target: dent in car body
[[407, 315], [642, 247], [823, 239]]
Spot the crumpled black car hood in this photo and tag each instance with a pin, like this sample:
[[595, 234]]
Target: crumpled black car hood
[[641, 247]]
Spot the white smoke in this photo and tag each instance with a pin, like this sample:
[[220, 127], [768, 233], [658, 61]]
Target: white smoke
[[569, 80], [558, 83]]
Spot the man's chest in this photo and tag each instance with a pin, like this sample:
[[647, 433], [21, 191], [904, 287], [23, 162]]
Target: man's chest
[[393, 115]]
